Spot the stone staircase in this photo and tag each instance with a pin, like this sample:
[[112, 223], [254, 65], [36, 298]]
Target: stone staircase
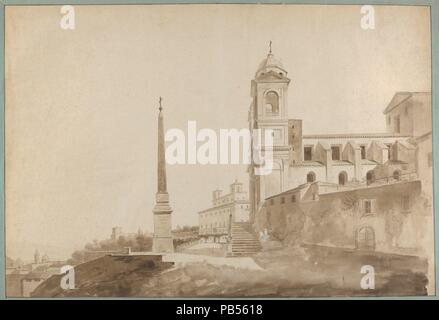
[[244, 242]]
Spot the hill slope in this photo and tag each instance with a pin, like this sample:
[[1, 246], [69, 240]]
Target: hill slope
[[116, 276]]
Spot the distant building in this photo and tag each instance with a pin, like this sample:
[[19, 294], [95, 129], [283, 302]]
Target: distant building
[[32, 280], [37, 257], [116, 233], [21, 281], [29, 284], [215, 222]]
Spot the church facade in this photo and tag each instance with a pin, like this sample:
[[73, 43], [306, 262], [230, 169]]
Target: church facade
[[362, 191]]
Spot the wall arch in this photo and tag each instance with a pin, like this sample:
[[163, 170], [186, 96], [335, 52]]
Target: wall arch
[[342, 178], [310, 177], [271, 102], [370, 177]]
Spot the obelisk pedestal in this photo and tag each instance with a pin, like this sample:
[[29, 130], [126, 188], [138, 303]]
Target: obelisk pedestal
[[162, 239]]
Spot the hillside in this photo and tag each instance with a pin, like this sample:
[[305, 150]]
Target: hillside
[[309, 271], [115, 276]]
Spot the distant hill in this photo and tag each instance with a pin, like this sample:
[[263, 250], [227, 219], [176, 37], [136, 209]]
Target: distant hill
[[115, 276]]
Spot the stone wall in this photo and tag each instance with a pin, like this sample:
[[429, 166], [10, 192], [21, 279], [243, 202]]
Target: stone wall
[[395, 216]]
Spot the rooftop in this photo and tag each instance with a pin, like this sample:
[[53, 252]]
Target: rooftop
[[353, 135], [399, 98]]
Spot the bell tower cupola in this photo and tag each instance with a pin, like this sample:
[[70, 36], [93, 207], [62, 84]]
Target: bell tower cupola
[[269, 111]]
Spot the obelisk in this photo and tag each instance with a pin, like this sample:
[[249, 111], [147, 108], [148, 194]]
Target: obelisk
[[162, 240]]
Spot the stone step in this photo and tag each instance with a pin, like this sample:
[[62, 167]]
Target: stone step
[[246, 247], [241, 233], [243, 242], [243, 237], [255, 245], [243, 253]]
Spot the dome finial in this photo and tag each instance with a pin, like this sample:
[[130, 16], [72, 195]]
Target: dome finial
[[270, 47]]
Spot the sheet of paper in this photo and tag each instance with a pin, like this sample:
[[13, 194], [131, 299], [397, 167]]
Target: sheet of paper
[[218, 151]]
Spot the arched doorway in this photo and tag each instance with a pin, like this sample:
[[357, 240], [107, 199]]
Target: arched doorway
[[370, 177], [397, 175], [342, 178], [365, 239], [310, 177]]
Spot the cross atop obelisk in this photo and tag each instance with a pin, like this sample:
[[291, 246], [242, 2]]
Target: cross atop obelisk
[[162, 240]]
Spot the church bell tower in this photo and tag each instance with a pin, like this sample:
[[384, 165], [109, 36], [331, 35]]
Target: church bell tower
[[269, 110]]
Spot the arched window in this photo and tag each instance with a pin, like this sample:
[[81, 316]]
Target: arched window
[[310, 177], [370, 177], [397, 175], [365, 238], [342, 178], [272, 102]]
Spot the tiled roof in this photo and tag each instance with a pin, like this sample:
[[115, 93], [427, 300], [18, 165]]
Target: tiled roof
[[302, 186], [353, 144], [367, 161], [270, 61], [407, 144], [380, 144], [399, 98], [325, 145], [353, 135], [225, 205], [308, 164], [341, 163]]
